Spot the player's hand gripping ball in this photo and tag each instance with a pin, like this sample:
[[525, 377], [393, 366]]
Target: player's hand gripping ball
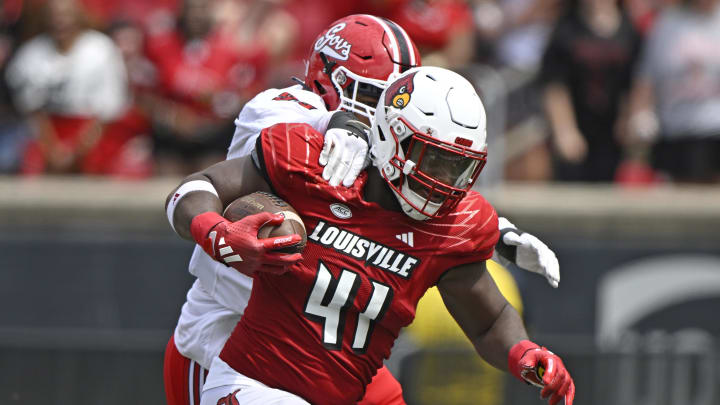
[[260, 201], [259, 233]]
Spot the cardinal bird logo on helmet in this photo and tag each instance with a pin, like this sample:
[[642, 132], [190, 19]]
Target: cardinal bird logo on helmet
[[398, 94]]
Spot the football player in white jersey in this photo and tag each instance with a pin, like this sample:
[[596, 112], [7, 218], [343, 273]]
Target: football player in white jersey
[[349, 66]]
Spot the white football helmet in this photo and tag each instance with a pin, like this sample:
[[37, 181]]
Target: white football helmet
[[429, 140]]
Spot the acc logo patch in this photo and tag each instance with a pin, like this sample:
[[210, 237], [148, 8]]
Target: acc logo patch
[[340, 210], [398, 94]]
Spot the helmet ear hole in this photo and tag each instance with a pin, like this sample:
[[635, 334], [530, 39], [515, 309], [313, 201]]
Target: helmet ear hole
[[319, 88], [381, 134]]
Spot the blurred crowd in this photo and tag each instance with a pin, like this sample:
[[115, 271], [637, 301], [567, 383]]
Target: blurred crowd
[[628, 91]]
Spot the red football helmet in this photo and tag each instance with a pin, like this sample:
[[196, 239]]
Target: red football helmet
[[356, 56]]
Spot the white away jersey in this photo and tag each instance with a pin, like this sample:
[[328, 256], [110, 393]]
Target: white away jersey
[[228, 287], [275, 106]]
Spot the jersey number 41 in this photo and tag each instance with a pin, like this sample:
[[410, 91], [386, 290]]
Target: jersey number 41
[[330, 299]]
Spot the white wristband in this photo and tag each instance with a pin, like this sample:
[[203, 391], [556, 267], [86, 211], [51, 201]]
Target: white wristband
[[182, 191]]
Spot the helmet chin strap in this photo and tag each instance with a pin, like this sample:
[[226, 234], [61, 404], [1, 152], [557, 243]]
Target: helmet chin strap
[[300, 82], [408, 209], [411, 211]]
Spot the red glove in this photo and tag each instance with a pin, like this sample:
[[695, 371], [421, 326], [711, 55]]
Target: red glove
[[542, 368], [236, 243]]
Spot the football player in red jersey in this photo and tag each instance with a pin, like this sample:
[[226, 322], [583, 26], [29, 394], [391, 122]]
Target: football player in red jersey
[[347, 68], [378, 50], [319, 332]]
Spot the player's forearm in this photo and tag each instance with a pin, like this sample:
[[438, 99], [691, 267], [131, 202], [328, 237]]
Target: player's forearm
[[494, 345], [488, 320], [195, 202], [210, 190]]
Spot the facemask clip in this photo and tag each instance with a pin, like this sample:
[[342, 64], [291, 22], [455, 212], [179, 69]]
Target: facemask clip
[[408, 167]]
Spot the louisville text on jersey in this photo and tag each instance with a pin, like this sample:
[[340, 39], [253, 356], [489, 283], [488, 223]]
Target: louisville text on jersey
[[373, 253]]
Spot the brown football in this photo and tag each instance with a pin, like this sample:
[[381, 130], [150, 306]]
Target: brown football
[[261, 201]]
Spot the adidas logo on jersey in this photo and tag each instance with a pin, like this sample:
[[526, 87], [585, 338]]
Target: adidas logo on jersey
[[406, 238], [372, 253]]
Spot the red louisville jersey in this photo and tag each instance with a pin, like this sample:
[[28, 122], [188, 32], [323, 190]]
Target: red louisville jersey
[[322, 330]]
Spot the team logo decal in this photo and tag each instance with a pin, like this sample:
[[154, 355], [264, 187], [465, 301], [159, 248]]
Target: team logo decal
[[333, 45], [398, 94], [340, 210]]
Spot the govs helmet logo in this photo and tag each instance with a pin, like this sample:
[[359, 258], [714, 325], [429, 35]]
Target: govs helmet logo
[[334, 45], [398, 94]]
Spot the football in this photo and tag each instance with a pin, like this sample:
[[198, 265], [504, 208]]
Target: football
[[261, 201]]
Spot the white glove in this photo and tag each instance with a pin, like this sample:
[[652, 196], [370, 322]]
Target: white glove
[[531, 253], [343, 155]]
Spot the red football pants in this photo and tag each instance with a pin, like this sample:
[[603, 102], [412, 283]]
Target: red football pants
[[184, 379]]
